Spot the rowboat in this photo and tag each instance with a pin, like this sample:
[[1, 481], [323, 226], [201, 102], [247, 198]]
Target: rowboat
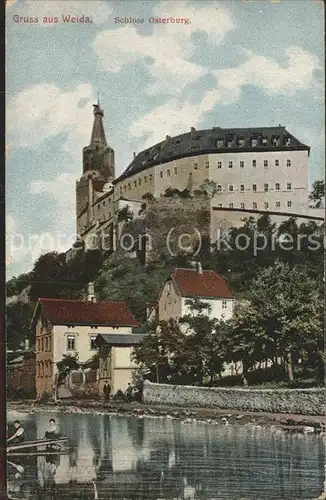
[[36, 444]]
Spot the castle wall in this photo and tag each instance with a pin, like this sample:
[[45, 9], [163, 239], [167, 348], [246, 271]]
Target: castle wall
[[280, 177]]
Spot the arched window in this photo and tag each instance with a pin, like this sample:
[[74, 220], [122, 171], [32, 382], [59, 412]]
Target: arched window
[[41, 370]]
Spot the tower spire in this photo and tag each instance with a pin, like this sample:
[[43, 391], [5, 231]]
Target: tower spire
[[98, 134]]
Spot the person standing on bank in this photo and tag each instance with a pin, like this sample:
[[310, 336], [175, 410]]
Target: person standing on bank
[[19, 434]]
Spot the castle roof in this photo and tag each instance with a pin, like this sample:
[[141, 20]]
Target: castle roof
[[215, 140], [207, 284], [78, 312]]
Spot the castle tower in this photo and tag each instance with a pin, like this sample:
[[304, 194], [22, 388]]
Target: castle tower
[[98, 169]]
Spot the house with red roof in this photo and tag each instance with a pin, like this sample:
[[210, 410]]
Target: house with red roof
[[185, 284], [70, 327]]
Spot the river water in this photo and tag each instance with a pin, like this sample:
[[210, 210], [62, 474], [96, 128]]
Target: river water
[[118, 457]]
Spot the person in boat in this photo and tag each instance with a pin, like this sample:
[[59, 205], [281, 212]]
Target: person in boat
[[19, 434], [52, 431]]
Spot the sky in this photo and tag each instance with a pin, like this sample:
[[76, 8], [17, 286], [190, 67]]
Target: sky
[[237, 63]]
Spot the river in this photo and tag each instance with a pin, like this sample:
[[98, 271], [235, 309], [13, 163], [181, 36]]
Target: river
[[119, 457]]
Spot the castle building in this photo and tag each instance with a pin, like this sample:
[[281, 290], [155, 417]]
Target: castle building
[[252, 171]]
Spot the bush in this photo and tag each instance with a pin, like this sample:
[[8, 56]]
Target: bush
[[119, 396]]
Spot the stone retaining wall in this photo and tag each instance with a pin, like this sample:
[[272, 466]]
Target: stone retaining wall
[[295, 401]]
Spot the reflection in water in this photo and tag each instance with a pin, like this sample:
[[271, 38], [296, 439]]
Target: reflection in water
[[117, 457]]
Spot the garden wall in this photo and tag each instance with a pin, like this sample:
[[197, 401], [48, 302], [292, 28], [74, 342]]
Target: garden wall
[[296, 401]]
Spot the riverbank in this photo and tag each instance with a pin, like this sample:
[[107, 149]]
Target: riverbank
[[286, 422]]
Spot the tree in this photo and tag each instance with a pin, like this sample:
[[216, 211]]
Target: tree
[[66, 365], [203, 342], [209, 188], [284, 317], [125, 214], [18, 324], [317, 195]]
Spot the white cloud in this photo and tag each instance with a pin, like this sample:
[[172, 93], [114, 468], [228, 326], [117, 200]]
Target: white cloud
[[169, 47], [273, 78], [42, 111], [269, 75], [99, 11]]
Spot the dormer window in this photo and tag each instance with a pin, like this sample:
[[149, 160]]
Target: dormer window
[[241, 142], [288, 141], [220, 143], [264, 141], [254, 142], [229, 142], [276, 141]]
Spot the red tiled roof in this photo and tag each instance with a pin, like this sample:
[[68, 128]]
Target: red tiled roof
[[78, 312], [208, 284]]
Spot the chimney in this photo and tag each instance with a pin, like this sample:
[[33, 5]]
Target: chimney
[[192, 131], [199, 268], [91, 293], [26, 344], [134, 155]]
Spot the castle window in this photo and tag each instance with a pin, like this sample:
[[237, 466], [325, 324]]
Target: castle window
[[46, 343], [168, 172], [288, 162], [139, 181], [254, 163], [129, 185], [135, 183], [145, 178], [241, 143], [241, 187], [219, 188], [195, 166], [266, 205], [175, 170], [254, 205], [230, 164], [98, 206], [254, 187], [230, 205], [241, 164], [219, 164], [161, 175], [278, 204], [289, 186], [207, 164], [230, 188], [71, 344], [277, 163], [125, 187], [277, 186], [42, 344], [104, 202], [224, 304], [289, 204], [265, 163], [265, 187], [242, 205], [220, 143], [150, 177]]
